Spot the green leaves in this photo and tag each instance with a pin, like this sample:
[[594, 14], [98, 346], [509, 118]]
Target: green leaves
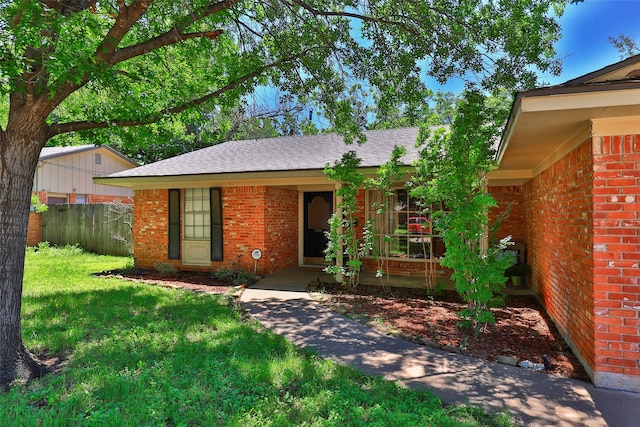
[[451, 171], [134, 64], [342, 235]]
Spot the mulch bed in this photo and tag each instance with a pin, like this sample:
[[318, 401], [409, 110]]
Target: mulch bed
[[193, 281], [523, 330]]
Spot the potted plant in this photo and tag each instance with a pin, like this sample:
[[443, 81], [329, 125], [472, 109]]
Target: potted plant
[[516, 272]]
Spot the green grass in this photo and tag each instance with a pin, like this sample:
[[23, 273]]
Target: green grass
[[139, 355]]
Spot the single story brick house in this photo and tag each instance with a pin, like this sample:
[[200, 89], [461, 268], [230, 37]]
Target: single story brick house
[[211, 208], [65, 175], [569, 169]]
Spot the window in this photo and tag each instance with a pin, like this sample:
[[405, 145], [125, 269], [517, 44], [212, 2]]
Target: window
[[201, 220], [402, 227], [197, 214], [56, 200], [81, 199]]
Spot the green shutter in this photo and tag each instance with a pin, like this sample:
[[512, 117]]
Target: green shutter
[[216, 225], [174, 224]]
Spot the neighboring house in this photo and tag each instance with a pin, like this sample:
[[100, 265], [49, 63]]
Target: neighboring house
[[65, 175], [569, 171]]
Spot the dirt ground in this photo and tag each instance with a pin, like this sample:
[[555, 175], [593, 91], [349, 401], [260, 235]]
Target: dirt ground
[[523, 330]]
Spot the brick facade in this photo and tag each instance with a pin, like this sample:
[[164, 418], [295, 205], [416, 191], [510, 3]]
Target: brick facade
[[92, 199], [34, 229], [558, 207], [616, 253], [580, 219], [257, 217], [509, 199], [281, 249], [264, 218], [96, 199], [254, 217], [151, 228]]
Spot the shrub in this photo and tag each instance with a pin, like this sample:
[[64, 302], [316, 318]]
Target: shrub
[[165, 268], [235, 277]]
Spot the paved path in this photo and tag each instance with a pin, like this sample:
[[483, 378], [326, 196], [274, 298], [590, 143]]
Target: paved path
[[533, 398]]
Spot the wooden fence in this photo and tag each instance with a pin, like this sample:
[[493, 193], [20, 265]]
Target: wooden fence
[[102, 229]]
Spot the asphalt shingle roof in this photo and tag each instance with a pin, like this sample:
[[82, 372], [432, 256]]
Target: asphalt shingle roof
[[309, 152], [51, 152]]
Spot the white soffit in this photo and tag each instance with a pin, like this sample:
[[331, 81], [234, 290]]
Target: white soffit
[[545, 128]]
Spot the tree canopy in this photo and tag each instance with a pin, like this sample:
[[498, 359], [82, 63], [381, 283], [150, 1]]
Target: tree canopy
[[117, 64], [81, 65]]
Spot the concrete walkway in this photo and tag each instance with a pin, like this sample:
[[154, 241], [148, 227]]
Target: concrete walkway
[[280, 302]]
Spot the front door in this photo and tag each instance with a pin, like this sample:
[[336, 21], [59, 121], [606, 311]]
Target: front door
[[318, 208]]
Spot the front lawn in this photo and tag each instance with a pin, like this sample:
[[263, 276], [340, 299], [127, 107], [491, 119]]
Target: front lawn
[[135, 354]]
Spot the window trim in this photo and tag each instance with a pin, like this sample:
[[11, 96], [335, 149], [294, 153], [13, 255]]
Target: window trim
[[191, 228]]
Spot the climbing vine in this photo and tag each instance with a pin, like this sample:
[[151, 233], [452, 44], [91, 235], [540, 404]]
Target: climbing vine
[[386, 177], [343, 241]]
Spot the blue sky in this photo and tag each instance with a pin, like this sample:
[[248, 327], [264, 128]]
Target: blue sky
[[584, 46], [586, 27]]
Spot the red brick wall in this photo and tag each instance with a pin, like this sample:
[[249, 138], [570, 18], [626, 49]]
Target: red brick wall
[[95, 199], [34, 229], [243, 211], [262, 218], [558, 208], [414, 267], [151, 228], [616, 255], [509, 198], [281, 216]]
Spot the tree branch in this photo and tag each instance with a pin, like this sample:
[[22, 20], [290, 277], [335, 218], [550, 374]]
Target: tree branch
[[316, 12], [107, 53], [127, 16], [60, 128], [68, 7], [175, 35], [155, 43]]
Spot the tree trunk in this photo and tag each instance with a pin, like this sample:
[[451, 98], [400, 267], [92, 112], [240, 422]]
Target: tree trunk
[[20, 146]]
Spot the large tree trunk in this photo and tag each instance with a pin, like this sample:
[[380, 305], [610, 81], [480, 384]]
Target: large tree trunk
[[20, 147]]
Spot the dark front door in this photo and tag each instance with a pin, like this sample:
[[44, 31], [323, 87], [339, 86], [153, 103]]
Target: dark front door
[[318, 208]]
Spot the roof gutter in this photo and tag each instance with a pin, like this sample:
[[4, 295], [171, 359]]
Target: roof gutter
[[514, 116], [267, 178]]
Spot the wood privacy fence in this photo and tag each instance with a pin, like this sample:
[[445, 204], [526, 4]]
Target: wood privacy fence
[[103, 229]]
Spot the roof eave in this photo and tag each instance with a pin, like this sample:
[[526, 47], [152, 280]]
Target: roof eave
[[268, 178]]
